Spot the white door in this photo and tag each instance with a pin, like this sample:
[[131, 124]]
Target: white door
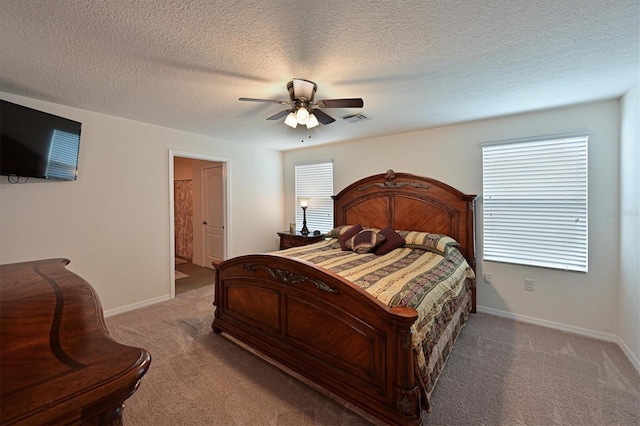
[[213, 215]]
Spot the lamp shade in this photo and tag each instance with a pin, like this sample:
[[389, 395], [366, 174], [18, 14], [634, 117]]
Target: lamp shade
[[312, 122], [304, 201], [291, 120], [302, 115]]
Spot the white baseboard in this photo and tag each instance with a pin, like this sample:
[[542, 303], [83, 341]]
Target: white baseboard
[[632, 358], [569, 328], [137, 305]]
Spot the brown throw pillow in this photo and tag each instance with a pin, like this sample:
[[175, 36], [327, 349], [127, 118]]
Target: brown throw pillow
[[365, 241], [392, 241], [346, 236]]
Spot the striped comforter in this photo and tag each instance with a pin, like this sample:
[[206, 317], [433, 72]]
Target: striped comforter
[[437, 287]]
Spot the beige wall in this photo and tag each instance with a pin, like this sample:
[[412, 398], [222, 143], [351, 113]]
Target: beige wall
[[585, 302], [113, 222], [629, 214]]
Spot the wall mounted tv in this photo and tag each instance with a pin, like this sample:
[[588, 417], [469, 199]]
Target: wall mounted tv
[[37, 144]]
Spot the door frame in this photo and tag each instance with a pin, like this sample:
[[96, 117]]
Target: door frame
[[226, 199]]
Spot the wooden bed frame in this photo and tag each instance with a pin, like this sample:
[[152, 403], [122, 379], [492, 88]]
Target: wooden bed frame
[[328, 330]]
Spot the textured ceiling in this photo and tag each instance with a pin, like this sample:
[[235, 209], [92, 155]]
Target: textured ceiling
[[416, 63]]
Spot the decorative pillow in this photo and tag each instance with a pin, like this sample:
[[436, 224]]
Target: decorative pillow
[[338, 230], [347, 235], [437, 243], [365, 241], [392, 240]]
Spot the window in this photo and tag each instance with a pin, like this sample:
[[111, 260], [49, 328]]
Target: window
[[535, 202], [315, 181], [63, 155]]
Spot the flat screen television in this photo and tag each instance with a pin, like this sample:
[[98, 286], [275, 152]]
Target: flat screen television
[[37, 144]]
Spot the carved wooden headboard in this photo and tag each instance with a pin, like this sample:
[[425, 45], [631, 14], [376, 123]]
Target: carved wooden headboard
[[409, 203]]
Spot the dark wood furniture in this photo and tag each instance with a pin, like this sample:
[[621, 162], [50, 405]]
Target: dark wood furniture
[[288, 240], [323, 327], [58, 363]]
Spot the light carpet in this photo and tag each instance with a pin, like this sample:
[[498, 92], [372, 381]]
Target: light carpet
[[501, 372]]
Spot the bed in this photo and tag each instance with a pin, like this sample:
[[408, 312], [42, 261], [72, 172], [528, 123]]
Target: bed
[[330, 330]]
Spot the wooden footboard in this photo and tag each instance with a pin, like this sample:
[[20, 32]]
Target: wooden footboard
[[324, 328]]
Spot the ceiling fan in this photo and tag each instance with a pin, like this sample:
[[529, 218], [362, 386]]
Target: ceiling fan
[[302, 108]]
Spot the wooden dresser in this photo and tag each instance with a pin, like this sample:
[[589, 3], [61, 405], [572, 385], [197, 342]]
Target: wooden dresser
[[58, 364]]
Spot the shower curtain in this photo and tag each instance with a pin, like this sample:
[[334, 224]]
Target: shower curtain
[[183, 218]]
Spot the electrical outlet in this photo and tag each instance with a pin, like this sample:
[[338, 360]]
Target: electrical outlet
[[488, 278], [529, 285]]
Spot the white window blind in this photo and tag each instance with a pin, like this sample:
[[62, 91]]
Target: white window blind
[[535, 202], [315, 181]]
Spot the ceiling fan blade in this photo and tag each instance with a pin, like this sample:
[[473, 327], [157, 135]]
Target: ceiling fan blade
[[341, 103], [264, 100], [323, 117], [304, 89], [279, 115]]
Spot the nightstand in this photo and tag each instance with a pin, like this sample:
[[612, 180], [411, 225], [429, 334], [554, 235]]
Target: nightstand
[[288, 240]]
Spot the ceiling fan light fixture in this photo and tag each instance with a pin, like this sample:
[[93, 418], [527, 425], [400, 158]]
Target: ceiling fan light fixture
[[302, 109], [302, 115], [291, 120], [312, 122], [304, 89]]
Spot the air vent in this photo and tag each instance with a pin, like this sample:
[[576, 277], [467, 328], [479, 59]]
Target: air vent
[[355, 118]]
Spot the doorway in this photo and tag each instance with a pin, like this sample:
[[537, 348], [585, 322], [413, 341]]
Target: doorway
[[198, 218]]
